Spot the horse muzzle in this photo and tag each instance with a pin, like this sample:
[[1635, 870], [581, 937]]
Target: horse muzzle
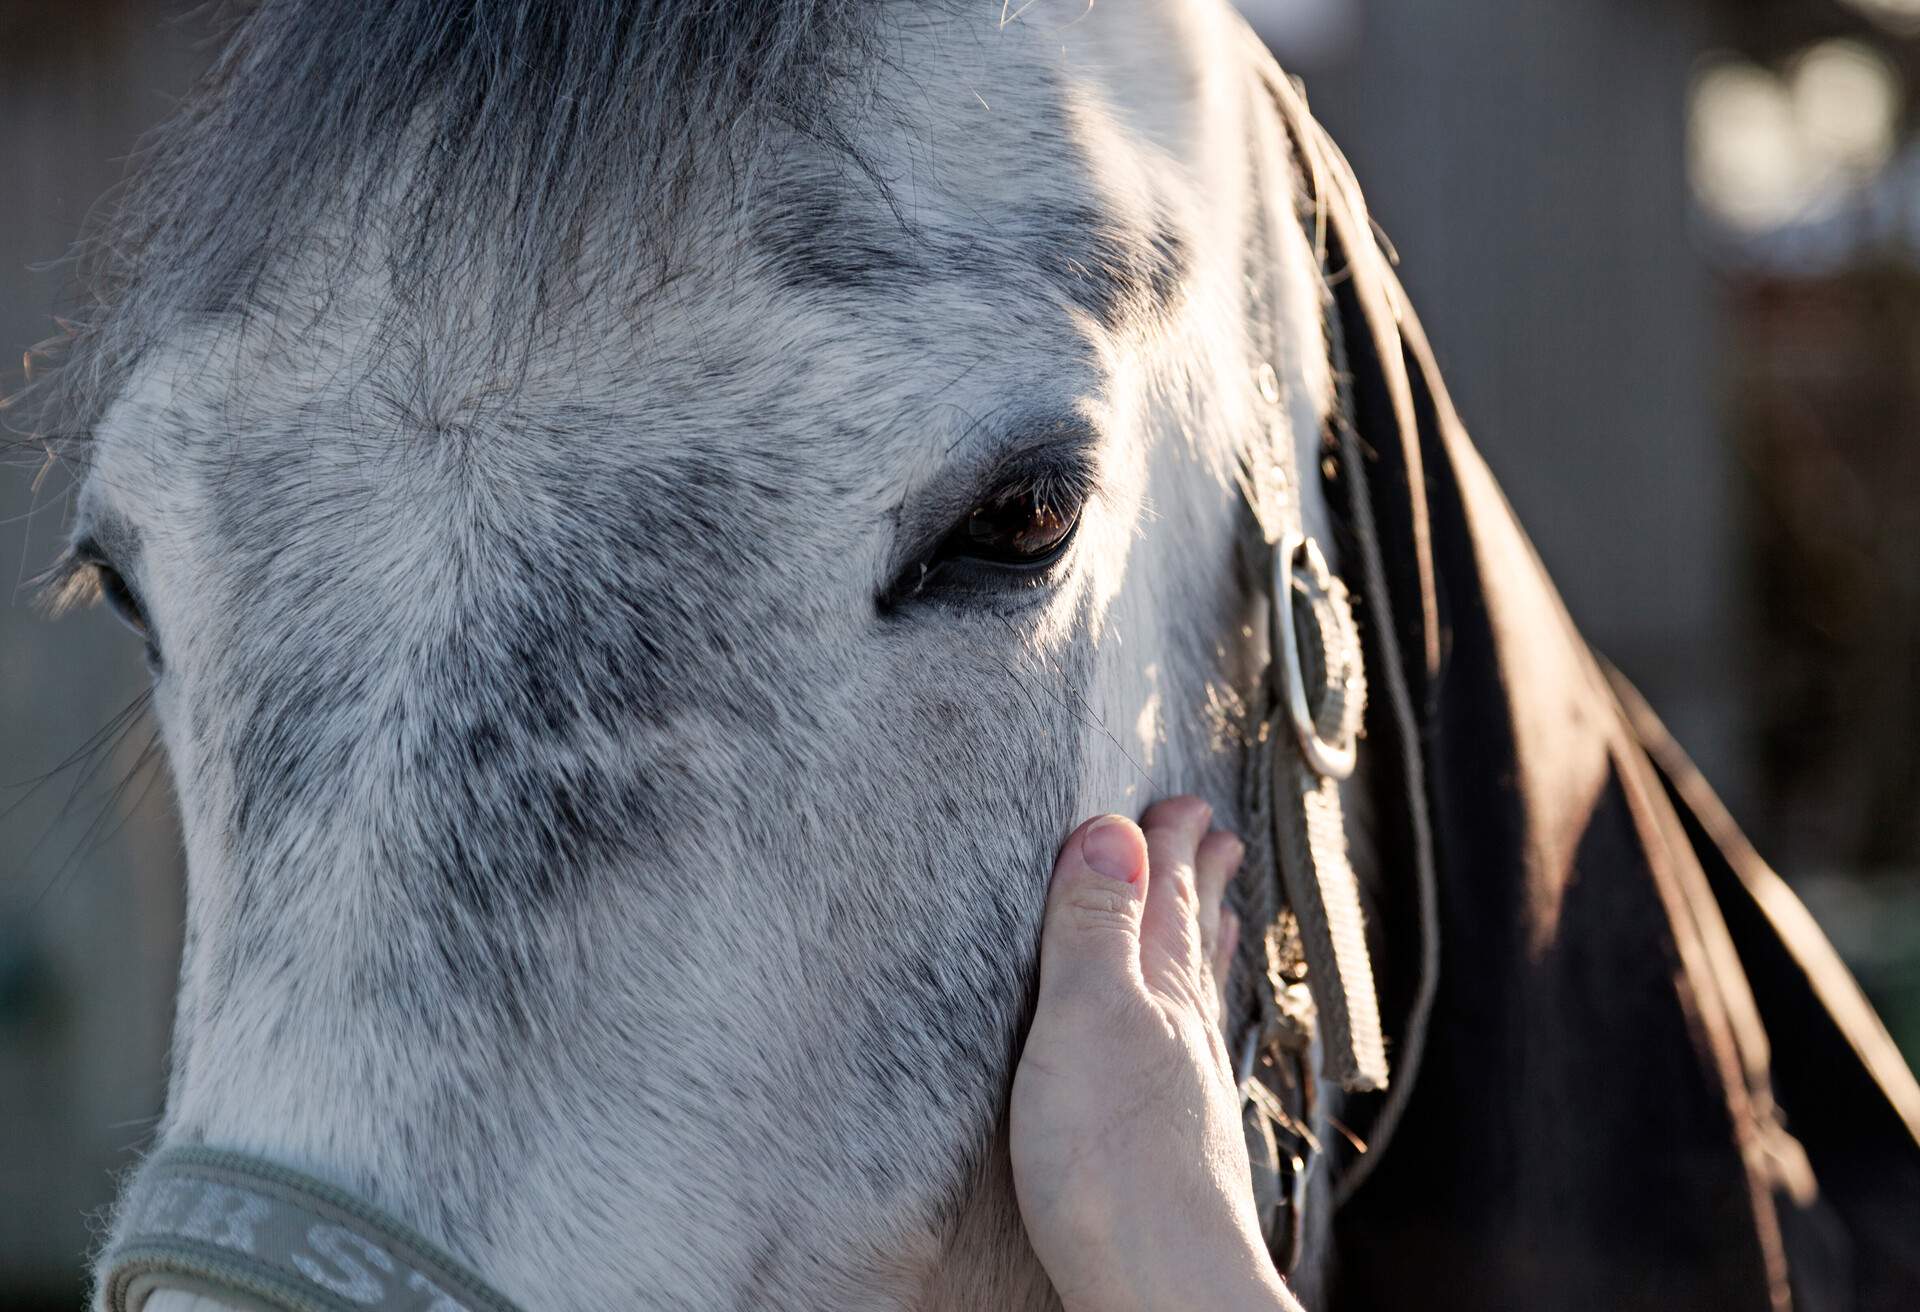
[[248, 1234]]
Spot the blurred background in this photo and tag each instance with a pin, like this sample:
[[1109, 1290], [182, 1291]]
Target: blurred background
[[1668, 252]]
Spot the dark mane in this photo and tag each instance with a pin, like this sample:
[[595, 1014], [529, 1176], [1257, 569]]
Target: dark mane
[[455, 130]]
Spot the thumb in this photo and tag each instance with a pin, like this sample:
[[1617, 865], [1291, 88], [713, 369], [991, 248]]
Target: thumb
[[1091, 940]]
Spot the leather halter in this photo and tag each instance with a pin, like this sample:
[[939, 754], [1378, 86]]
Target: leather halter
[[1305, 1004]]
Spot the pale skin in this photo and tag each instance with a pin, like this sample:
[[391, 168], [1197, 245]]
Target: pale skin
[[1128, 1156]]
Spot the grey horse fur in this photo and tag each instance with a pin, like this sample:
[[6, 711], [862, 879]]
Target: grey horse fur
[[524, 425]]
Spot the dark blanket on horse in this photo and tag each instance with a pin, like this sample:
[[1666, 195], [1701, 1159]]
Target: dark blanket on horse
[[1648, 1081]]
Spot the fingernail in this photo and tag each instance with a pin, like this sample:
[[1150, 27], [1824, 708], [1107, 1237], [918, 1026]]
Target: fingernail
[[1239, 852], [1111, 851]]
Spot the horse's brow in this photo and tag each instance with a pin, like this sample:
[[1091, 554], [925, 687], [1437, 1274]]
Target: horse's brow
[[1048, 447], [1014, 432], [1057, 437], [98, 532]]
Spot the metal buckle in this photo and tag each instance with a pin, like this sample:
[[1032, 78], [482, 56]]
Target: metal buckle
[[1332, 760]]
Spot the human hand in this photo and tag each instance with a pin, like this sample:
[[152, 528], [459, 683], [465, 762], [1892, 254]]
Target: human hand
[[1128, 1156]]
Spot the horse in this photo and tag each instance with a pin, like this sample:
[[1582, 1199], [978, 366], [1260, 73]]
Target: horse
[[648, 523]]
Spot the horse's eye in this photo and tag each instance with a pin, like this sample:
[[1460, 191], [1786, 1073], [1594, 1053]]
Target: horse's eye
[[1024, 529], [1012, 538], [122, 600], [85, 574]]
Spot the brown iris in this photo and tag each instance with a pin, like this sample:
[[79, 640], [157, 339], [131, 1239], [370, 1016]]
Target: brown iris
[[1021, 528]]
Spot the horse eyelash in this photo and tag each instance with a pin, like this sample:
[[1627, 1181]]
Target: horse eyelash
[[1057, 482], [71, 583]]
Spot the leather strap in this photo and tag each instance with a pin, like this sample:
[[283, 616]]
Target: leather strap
[[1365, 325], [1319, 681], [258, 1236], [1304, 997]]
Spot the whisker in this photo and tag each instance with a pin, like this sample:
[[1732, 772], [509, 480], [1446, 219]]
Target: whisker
[[84, 766], [98, 833], [113, 729]]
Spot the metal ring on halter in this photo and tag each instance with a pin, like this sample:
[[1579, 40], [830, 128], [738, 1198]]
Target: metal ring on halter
[[1332, 760]]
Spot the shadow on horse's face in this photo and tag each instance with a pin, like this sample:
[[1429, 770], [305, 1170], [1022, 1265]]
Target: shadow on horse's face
[[621, 764]]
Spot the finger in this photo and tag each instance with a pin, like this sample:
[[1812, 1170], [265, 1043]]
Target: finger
[[1090, 942], [1214, 865], [1223, 960], [1170, 931]]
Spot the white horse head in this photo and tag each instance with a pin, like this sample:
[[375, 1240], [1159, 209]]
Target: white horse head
[[651, 523]]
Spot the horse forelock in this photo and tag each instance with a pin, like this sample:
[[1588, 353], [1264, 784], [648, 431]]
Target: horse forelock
[[455, 135]]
